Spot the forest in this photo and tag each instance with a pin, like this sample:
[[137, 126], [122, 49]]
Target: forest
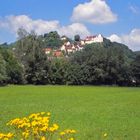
[[107, 63]]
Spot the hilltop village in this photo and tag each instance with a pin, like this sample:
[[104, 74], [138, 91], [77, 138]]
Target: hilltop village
[[69, 47]]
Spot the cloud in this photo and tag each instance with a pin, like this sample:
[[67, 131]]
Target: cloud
[[73, 29], [95, 12], [132, 39], [115, 38], [13, 23], [134, 9]]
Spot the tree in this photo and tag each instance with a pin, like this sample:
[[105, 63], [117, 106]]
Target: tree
[[22, 33], [14, 69], [102, 65], [3, 75], [136, 69], [77, 38], [58, 73], [52, 40], [35, 61], [31, 55]]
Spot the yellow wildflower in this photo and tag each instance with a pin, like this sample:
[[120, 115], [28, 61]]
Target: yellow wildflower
[[105, 135], [43, 138]]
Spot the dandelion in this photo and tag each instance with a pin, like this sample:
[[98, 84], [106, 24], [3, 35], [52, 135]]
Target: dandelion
[[43, 138], [105, 135], [48, 113], [6, 136]]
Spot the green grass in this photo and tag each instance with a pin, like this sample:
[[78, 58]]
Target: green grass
[[90, 110]]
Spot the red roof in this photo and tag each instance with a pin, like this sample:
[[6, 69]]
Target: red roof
[[69, 47], [88, 38], [57, 53], [48, 49]]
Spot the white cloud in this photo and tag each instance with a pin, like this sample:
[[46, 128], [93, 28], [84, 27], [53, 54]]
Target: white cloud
[[73, 29], [132, 39], [13, 23], [115, 38], [95, 11], [134, 9]]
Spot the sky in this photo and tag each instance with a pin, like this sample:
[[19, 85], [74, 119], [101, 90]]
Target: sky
[[117, 20]]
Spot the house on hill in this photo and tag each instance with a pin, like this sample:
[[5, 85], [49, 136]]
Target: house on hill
[[48, 50], [57, 53], [63, 38], [92, 39], [71, 47]]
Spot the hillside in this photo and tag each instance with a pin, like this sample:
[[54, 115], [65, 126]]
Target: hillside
[[137, 52], [49, 59], [108, 44], [128, 52], [54, 42]]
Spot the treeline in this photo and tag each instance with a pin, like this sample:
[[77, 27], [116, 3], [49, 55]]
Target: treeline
[[25, 62]]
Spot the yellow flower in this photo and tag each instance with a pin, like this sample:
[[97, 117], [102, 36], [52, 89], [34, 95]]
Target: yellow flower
[[71, 139], [105, 135], [55, 126], [42, 113], [62, 133], [36, 125], [43, 128], [48, 113], [43, 138], [73, 131], [1, 135], [10, 135], [6, 136], [5, 139], [25, 134]]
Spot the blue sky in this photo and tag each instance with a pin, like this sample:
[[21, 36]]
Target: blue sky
[[118, 20]]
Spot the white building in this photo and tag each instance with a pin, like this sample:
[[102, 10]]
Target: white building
[[63, 38], [99, 39], [93, 39]]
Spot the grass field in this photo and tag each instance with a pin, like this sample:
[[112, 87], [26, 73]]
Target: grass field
[[92, 111]]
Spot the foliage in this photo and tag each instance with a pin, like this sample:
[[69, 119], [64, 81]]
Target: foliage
[[135, 66], [103, 63], [4, 45], [77, 38], [30, 53], [3, 75], [100, 65], [14, 69], [127, 52], [52, 40], [137, 52], [58, 71]]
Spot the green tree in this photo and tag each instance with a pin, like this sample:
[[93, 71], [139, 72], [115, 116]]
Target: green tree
[[52, 40], [33, 59], [3, 75], [14, 69], [77, 38], [135, 66], [58, 73], [102, 65]]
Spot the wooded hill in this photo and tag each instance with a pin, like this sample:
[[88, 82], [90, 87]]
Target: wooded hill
[[107, 63]]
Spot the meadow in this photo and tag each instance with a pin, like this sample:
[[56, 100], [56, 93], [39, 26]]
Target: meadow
[[92, 111]]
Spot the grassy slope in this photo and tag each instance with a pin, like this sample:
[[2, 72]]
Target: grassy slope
[[90, 110]]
